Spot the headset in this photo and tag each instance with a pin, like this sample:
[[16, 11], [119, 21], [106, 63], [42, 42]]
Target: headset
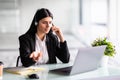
[[36, 23]]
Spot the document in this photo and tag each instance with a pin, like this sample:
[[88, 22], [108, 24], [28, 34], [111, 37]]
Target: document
[[24, 71]]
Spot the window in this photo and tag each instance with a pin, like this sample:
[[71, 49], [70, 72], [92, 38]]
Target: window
[[94, 12], [9, 23]]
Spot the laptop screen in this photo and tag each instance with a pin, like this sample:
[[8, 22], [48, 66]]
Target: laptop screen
[[88, 59]]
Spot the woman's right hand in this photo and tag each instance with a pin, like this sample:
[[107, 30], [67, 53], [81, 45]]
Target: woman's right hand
[[58, 33], [36, 56]]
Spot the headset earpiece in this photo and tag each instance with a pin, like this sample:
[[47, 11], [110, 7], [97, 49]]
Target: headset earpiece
[[36, 23]]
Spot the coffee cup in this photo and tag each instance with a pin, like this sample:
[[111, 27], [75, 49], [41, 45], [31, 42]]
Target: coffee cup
[[1, 69]]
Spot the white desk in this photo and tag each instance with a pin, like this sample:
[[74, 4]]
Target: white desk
[[101, 72]]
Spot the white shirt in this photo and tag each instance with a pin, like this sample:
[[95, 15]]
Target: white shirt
[[41, 47]]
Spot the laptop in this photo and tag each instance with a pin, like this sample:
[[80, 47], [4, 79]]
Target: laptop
[[87, 59]]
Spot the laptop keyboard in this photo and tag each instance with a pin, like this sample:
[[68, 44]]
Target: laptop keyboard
[[65, 69]]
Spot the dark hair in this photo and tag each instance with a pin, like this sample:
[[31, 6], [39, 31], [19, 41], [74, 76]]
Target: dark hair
[[40, 14]]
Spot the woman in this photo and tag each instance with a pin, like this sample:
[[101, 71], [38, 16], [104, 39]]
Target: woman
[[39, 45]]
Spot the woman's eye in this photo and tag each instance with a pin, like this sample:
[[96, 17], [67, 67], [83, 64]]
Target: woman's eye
[[44, 22], [50, 22]]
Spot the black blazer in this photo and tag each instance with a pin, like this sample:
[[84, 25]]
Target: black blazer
[[54, 47]]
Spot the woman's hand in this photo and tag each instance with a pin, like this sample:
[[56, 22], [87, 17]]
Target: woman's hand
[[58, 33], [36, 56]]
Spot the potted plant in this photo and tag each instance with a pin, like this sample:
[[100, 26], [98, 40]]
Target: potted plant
[[109, 51], [110, 48]]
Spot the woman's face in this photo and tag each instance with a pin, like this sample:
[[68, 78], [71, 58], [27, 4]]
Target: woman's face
[[44, 25]]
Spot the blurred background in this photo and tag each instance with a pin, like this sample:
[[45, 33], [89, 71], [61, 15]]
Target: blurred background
[[81, 21]]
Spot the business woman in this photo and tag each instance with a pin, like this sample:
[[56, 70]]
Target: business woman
[[39, 45]]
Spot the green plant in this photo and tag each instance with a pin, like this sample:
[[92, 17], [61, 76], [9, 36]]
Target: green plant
[[110, 48]]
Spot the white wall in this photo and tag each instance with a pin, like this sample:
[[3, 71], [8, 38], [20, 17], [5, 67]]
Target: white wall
[[118, 20], [114, 29], [61, 9]]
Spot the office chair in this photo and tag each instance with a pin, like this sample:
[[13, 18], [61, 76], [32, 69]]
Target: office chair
[[18, 59]]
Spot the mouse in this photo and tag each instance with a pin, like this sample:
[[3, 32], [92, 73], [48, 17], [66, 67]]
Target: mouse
[[33, 76]]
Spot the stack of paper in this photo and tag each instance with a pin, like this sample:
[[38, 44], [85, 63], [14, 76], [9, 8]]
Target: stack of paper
[[24, 71]]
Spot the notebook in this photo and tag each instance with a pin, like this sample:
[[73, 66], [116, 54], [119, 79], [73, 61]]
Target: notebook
[[87, 59], [23, 70]]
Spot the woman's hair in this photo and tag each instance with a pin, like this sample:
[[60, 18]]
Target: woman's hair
[[40, 14]]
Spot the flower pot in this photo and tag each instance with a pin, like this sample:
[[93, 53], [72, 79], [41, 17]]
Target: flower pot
[[104, 61]]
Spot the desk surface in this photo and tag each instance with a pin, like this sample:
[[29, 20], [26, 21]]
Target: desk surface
[[100, 72]]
